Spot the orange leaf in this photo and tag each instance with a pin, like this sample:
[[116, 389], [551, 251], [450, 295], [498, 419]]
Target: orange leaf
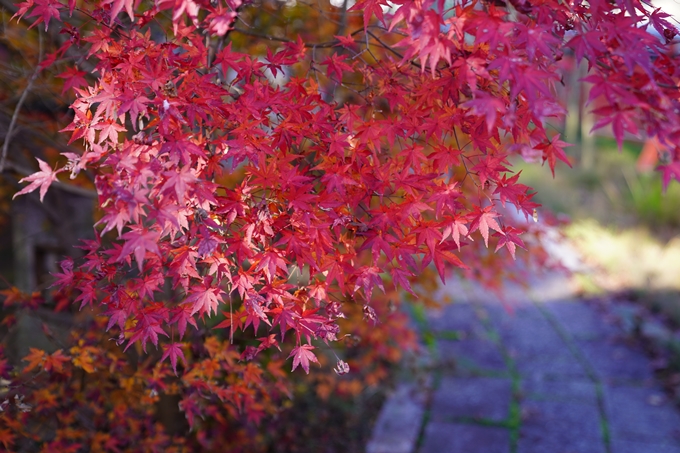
[[34, 359], [56, 361], [6, 438]]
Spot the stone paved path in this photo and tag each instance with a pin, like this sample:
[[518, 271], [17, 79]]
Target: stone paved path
[[553, 377]]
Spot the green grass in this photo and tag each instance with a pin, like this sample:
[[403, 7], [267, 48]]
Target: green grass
[[633, 260], [452, 335], [623, 223], [612, 192]]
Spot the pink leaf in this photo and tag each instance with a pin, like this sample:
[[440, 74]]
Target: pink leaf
[[455, 229], [139, 242], [205, 298], [486, 218], [41, 179]]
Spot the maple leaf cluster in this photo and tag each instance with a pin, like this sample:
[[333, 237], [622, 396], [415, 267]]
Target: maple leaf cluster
[[226, 192], [206, 395]]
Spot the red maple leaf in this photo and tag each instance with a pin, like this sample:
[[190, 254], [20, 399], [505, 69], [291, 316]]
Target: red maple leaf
[[286, 317], [336, 65], [669, 172], [146, 330], [205, 298], [174, 351], [554, 150], [302, 355], [183, 317], [135, 104], [442, 256], [117, 316], [510, 239], [346, 41], [44, 10], [73, 78], [400, 277], [270, 263], [486, 106], [117, 6], [370, 8]]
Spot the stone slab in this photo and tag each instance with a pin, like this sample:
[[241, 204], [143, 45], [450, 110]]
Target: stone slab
[[549, 443], [455, 316], [560, 365], [632, 416], [542, 388], [443, 437], [580, 320], [471, 354], [495, 313], [399, 421], [529, 333], [616, 362], [475, 398], [555, 286], [560, 427], [627, 446]]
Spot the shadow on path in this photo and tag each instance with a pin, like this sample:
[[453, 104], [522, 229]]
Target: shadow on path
[[552, 377]]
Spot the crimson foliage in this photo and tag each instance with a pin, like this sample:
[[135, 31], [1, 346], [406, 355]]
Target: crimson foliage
[[284, 184]]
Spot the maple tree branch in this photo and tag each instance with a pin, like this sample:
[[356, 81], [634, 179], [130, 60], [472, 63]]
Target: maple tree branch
[[389, 48], [385, 45], [322, 45], [343, 18], [20, 103]]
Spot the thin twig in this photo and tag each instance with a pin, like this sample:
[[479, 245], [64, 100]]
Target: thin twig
[[320, 45], [22, 99], [66, 187]]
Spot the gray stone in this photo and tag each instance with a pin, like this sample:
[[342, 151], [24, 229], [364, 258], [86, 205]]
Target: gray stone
[[494, 314], [632, 417], [541, 388], [563, 443], [615, 362], [455, 316], [464, 438], [580, 320], [514, 293], [558, 404], [480, 294], [627, 446], [529, 333], [551, 287], [454, 291], [560, 427], [558, 366], [477, 398], [471, 354], [398, 424]]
